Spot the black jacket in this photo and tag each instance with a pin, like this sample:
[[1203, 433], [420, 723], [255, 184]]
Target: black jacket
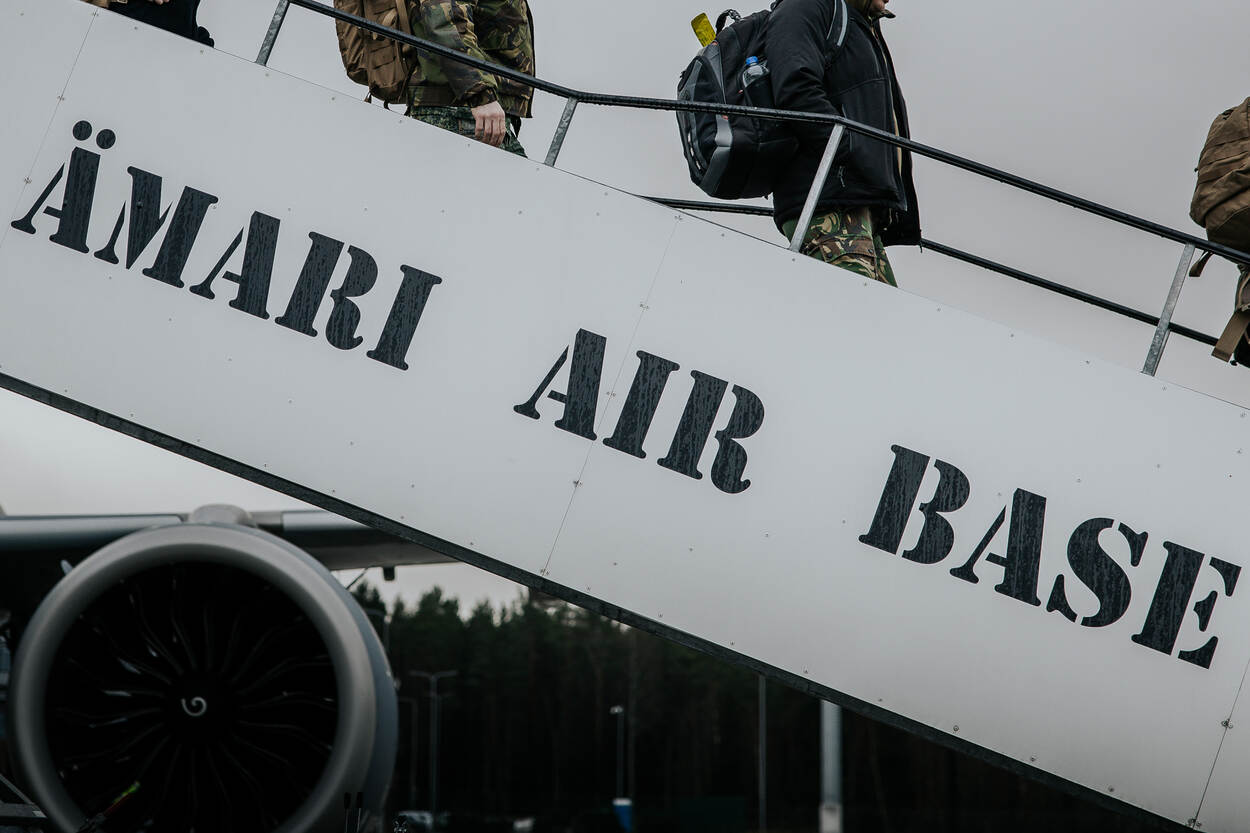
[[177, 16], [859, 83]]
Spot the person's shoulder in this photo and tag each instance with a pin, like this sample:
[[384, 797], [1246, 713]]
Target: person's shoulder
[[804, 8]]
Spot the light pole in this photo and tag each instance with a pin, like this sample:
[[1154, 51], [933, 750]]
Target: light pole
[[619, 711], [412, 751], [434, 677], [622, 806], [763, 746]]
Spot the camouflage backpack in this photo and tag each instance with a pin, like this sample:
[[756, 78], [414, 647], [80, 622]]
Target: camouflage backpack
[[381, 64], [1221, 205]]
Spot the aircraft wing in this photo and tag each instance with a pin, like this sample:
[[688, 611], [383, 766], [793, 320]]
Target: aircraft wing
[[338, 543]]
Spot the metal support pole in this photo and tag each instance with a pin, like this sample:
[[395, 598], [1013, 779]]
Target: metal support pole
[[271, 36], [435, 697], [562, 130], [412, 750], [830, 768], [763, 775], [433, 745], [619, 711], [818, 185], [1160, 341]]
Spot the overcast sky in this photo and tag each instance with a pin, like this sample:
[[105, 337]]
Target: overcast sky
[[1108, 100]]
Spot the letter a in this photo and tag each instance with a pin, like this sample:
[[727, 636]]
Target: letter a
[[582, 399]]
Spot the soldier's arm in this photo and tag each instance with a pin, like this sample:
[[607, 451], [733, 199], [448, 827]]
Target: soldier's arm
[[450, 23], [795, 45]]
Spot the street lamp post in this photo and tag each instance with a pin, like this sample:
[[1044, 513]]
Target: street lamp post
[[412, 750], [619, 711], [763, 749], [434, 677]]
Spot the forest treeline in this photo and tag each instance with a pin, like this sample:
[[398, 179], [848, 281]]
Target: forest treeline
[[526, 730]]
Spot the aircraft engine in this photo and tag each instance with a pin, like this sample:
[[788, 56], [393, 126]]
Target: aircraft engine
[[222, 670]]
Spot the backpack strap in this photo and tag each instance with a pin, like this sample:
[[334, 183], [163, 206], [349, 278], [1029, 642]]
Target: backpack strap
[[405, 25], [1234, 343], [1232, 337], [1196, 270], [727, 15], [837, 31]]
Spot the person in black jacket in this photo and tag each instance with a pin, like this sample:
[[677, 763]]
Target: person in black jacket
[[177, 16], [869, 201]]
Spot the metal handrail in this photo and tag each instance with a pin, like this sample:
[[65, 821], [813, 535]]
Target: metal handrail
[[574, 97], [974, 260], [1089, 206]]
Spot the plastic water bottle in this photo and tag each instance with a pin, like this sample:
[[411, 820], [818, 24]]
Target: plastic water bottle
[[755, 84]]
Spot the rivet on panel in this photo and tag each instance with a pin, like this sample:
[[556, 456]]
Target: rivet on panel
[[956, 728]]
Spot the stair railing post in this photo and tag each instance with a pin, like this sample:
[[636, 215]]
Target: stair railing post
[[562, 130], [1160, 340], [271, 36], [818, 185]]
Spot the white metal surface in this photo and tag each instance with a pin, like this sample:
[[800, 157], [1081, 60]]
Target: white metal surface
[[528, 257]]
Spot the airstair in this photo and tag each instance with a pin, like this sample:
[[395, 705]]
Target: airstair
[[961, 529]]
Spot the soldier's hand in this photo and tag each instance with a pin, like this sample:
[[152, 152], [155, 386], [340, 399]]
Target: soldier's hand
[[490, 124]]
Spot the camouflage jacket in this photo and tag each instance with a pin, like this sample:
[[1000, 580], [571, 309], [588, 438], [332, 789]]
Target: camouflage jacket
[[499, 31]]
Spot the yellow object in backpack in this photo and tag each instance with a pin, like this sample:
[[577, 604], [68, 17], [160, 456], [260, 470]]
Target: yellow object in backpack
[[703, 30]]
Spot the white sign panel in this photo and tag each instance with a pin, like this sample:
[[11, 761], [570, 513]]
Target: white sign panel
[[898, 506]]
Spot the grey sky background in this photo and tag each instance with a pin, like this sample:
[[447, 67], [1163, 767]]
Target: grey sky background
[[1109, 100]]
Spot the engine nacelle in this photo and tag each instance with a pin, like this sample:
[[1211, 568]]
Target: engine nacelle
[[223, 670]]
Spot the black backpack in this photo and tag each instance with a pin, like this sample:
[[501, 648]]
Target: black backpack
[[733, 157]]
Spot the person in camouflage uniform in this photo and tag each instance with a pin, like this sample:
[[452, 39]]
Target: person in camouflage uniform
[[461, 98], [848, 239], [869, 199]]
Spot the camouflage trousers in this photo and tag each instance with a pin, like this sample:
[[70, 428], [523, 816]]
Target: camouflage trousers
[[847, 238], [460, 120]]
